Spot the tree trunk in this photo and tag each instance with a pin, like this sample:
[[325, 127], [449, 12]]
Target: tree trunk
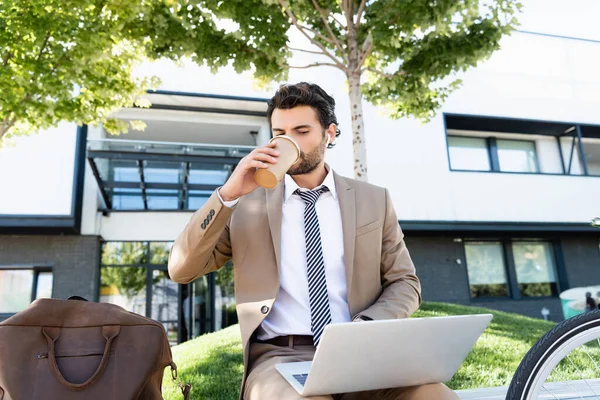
[[353, 74], [358, 129]]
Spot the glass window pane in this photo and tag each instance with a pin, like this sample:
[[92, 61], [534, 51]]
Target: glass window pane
[[125, 171], [591, 150], [197, 198], [517, 156], [468, 153], [15, 289], [127, 199], [486, 269], [44, 285], [224, 297], [125, 287], [161, 172], [124, 253], [159, 252], [207, 176], [201, 309], [162, 199], [164, 304], [535, 269]]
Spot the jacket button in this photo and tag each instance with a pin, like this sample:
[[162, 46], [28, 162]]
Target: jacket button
[[203, 225], [264, 309], [209, 217], [212, 212]]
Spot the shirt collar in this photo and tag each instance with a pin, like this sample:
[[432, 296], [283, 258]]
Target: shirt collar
[[291, 185]]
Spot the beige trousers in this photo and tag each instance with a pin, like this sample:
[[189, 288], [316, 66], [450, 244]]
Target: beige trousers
[[265, 383]]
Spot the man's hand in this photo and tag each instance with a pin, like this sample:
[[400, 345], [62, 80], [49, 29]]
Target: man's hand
[[241, 182]]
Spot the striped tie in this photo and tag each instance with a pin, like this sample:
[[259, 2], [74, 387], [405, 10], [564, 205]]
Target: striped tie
[[320, 314]]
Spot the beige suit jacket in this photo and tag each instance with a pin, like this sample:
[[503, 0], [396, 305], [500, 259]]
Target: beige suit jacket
[[380, 275]]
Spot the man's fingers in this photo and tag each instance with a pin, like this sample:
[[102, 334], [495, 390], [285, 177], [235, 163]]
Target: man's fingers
[[258, 164], [266, 150], [265, 157]]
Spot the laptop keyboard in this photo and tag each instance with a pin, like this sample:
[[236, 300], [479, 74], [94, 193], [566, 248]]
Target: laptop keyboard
[[301, 378]]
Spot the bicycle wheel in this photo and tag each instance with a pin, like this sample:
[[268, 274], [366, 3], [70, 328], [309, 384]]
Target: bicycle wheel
[[563, 364]]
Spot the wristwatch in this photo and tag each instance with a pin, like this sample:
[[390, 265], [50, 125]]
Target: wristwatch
[[361, 318]]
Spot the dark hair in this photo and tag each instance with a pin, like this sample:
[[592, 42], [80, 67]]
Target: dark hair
[[305, 94]]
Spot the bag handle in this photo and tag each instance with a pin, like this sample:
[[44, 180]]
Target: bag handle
[[109, 332], [186, 388]]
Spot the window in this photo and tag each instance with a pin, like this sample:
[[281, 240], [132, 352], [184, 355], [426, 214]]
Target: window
[[535, 269], [134, 276], [513, 269], [19, 286], [492, 154], [591, 148], [468, 153], [522, 145], [486, 270], [517, 156]]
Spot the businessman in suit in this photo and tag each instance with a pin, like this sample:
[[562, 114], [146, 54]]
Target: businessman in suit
[[320, 248]]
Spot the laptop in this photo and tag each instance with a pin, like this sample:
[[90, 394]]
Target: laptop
[[357, 356]]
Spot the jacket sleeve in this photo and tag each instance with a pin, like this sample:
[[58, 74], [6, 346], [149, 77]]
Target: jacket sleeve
[[401, 295], [204, 245]]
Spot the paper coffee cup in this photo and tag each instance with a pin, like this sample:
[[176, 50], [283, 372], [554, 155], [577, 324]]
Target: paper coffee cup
[[289, 154]]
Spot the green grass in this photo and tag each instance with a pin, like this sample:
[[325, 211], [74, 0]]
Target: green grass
[[213, 363]]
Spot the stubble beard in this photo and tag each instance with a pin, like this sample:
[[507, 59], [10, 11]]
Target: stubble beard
[[309, 161]]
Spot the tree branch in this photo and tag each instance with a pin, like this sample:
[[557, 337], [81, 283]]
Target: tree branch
[[361, 10], [346, 6], [338, 22], [43, 47], [5, 61], [6, 125], [323, 15], [317, 34], [384, 74], [305, 51], [312, 40], [312, 65]]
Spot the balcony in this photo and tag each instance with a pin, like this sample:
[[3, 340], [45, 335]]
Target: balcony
[[135, 175]]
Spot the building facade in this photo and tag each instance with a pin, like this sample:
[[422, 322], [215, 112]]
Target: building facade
[[494, 194]]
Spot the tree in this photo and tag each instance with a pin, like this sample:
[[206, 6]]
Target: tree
[[394, 53], [72, 60]]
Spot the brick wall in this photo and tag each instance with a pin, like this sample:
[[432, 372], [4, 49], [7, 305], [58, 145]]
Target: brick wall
[[74, 260], [444, 279]]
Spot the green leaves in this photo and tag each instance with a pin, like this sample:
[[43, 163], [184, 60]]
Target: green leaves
[[72, 60], [419, 43], [67, 60]]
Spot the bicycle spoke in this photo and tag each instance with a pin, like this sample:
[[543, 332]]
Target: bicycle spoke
[[582, 376], [591, 359], [551, 394], [569, 385]]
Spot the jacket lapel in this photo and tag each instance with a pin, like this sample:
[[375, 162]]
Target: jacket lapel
[[346, 198], [274, 212]]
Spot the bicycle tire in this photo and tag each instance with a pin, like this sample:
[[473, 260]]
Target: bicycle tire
[[522, 383]]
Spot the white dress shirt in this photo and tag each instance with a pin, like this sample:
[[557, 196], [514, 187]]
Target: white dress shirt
[[290, 314]]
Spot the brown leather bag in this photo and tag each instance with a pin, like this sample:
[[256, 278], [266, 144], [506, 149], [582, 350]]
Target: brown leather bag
[[70, 350]]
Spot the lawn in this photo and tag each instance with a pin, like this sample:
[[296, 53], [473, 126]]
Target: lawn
[[213, 363]]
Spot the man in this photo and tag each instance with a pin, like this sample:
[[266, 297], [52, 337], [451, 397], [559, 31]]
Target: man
[[319, 248]]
